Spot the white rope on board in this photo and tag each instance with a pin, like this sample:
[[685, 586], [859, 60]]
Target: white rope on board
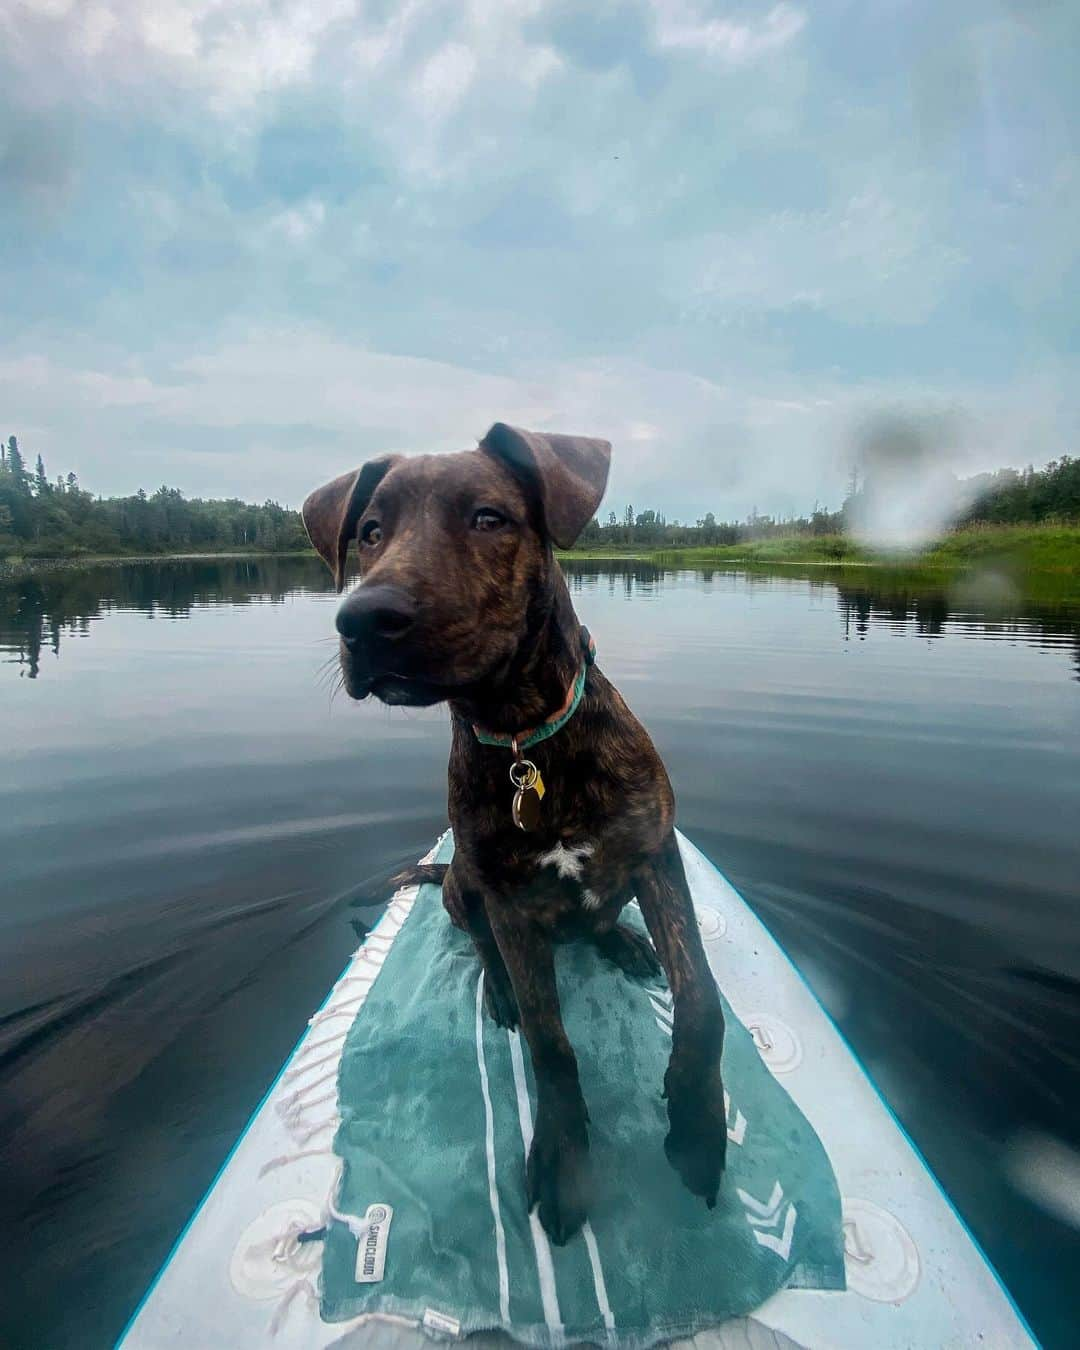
[[301, 1286], [309, 1046], [296, 1110], [314, 1064], [301, 1092], [306, 1136], [284, 1159]]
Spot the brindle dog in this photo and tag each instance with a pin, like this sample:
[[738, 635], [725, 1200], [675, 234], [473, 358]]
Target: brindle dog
[[461, 600]]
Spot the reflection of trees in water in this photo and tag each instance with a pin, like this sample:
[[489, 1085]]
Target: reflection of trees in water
[[614, 574], [903, 602], [36, 609], [931, 610], [900, 610], [632, 575]]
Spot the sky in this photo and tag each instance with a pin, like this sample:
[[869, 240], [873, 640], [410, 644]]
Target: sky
[[247, 244]]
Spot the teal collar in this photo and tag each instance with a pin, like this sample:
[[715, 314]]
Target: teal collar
[[521, 740]]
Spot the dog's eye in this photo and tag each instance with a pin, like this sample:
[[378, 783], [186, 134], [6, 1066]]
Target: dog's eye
[[487, 519], [371, 533]]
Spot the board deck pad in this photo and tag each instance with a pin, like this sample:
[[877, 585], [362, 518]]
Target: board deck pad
[[437, 1107], [247, 1268]]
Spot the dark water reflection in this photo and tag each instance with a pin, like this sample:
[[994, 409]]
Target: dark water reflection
[[886, 764], [38, 608]]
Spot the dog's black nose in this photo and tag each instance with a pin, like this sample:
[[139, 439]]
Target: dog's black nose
[[373, 612]]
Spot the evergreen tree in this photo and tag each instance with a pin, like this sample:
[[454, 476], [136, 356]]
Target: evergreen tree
[[41, 483], [16, 467]]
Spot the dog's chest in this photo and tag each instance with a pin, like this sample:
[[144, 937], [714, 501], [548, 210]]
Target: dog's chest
[[569, 862]]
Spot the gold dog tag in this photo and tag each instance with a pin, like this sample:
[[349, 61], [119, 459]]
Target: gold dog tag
[[525, 808]]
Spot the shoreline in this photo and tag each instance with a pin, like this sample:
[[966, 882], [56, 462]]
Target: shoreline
[[62, 562], [1048, 550]]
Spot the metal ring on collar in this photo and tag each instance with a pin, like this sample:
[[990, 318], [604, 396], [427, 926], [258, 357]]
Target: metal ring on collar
[[523, 773]]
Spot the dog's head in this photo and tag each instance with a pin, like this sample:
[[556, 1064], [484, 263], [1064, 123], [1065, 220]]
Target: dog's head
[[455, 554]]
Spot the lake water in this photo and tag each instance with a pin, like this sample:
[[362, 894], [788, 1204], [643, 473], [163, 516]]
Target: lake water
[[190, 827]]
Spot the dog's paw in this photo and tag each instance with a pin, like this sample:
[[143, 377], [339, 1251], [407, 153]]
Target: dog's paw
[[696, 1144], [417, 874], [500, 1001], [631, 951], [558, 1178]]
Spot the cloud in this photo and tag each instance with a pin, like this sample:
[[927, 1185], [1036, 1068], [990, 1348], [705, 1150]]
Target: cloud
[[688, 26], [272, 412], [233, 50], [444, 79], [873, 256], [299, 223], [244, 243]]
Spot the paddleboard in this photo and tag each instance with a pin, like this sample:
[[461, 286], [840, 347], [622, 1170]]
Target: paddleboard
[[244, 1272]]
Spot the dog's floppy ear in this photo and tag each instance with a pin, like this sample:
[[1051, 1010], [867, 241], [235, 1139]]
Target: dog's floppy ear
[[570, 472], [331, 512]]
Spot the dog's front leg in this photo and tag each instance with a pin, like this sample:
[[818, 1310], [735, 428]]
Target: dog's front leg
[[557, 1173], [464, 903], [696, 1144]]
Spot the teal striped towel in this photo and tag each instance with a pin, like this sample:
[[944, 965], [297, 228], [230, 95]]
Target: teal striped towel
[[436, 1107]]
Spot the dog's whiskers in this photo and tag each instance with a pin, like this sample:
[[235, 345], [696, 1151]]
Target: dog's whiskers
[[325, 673]]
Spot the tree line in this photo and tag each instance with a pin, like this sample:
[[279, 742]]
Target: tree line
[[1035, 496], [43, 517], [1007, 497], [653, 529]]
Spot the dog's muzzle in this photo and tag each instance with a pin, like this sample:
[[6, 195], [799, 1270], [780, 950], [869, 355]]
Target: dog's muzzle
[[375, 623], [375, 618]]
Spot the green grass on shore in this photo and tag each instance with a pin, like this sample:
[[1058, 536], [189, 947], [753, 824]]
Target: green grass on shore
[[19, 565], [1050, 551], [1012, 548]]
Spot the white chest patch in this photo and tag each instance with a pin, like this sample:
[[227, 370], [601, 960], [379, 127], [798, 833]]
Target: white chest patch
[[567, 861]]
